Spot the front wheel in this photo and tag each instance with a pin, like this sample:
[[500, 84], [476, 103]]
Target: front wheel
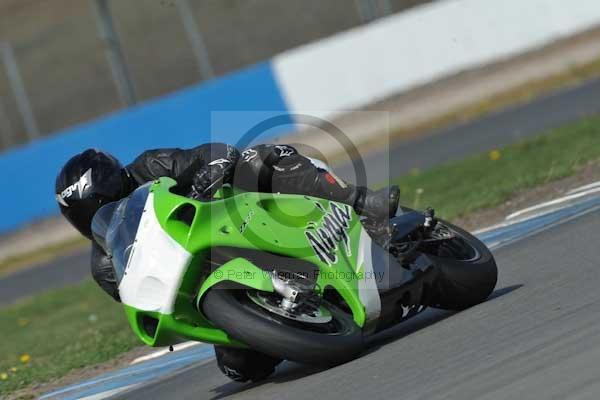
[[326, 337], [468, 271]]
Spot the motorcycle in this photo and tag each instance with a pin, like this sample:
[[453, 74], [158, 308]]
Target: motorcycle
[[292, 276]]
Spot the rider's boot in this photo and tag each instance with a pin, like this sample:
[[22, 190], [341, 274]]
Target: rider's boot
[[380, 205], [377, 205]]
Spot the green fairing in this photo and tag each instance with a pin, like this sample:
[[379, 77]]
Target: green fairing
[[275, 223], [237, 270], [174, 327]]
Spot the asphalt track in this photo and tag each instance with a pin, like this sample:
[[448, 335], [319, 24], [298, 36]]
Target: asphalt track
[[64, 271], [537, 337], [492, 131]]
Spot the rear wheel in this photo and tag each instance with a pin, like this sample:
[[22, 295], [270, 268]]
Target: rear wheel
[[323, 336], [468, 271]]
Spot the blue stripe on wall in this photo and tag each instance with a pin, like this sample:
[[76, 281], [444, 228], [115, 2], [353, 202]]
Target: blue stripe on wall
[[183, 119]]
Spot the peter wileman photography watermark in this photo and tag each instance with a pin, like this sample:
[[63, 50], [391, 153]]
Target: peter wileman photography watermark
[[239, 275], [301, 225]]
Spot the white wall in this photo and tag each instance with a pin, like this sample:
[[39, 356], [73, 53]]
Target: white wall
[[370, 63]]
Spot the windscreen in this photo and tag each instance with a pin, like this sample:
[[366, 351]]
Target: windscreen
[[115, 227]]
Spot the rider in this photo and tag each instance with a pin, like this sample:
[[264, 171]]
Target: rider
[[94, 178]]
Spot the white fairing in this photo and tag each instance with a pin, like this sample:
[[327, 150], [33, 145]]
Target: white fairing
[[155, 268], [367, 286]]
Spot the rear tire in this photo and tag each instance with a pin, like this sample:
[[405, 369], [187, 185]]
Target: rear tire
[[232, 311], [464, 283]]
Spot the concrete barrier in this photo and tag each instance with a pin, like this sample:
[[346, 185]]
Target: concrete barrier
[[372, 62]]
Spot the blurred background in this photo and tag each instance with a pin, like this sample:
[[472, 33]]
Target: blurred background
[[68, 61]]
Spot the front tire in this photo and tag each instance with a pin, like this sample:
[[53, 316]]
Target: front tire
[[242, 365], [463, 282], [232, 311]]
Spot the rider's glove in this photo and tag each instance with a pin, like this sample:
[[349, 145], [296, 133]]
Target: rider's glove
[[210, 178]]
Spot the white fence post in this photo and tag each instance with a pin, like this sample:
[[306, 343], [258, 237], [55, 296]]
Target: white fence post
[[6, 129], [118, 66], [18, 88], [370, 10], [196, 39]]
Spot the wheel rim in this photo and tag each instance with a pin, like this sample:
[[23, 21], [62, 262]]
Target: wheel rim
[[457, 248], [334, 326], [312, 315]]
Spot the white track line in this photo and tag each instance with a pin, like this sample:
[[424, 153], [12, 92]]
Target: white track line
[[586, 187], [109, 393], [546, 227], [552, 203], [164, 351]]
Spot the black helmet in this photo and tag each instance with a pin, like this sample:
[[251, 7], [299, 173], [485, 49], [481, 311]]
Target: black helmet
[[87, 182]]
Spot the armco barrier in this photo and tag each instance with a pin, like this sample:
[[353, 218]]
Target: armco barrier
[[182, 119]]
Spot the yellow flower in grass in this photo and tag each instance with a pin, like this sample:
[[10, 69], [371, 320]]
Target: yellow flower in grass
[[494, 155], [3, 376], [25, 358], [14, 369], [23, 322]]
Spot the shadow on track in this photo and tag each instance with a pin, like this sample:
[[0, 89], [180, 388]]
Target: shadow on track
[[421, 321], [289, 371], [286, 372]]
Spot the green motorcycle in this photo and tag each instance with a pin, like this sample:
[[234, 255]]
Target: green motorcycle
[[292, 276]]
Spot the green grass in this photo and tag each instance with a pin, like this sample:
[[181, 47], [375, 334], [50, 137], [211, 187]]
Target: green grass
[[60, 331], [480, 182], [71, 328]]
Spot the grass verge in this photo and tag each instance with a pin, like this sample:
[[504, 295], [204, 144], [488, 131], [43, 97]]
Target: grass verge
[[48, 335], [487, 180]]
